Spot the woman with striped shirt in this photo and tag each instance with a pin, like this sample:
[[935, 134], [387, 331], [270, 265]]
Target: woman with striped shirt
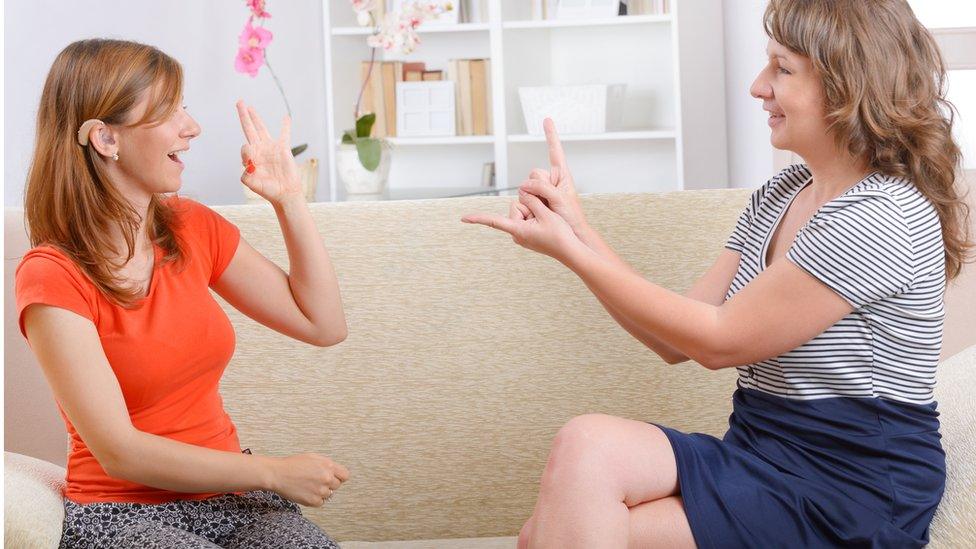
[[828, 299]]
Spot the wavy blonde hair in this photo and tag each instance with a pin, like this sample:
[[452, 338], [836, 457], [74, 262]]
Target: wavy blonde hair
[[884, 82], [69, 202]]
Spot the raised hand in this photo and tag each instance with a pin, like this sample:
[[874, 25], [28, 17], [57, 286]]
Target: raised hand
[[533, 226], [269, 167], [556, 186]]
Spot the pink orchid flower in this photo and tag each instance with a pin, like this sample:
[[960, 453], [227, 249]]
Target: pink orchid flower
[[249, 60], [255, 37], [362, 5], [257, 8]]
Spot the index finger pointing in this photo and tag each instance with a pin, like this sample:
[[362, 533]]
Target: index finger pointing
[[556, 155]]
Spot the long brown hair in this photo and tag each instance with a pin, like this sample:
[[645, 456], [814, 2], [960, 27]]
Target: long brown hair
[[884, 83], [69, 202]]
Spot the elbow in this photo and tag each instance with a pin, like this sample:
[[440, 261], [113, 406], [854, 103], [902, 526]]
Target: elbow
[[115, 464], [717, 360], [716, 355]]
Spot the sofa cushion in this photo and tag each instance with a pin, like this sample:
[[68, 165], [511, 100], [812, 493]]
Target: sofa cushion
[[954, 524], [32, 505]]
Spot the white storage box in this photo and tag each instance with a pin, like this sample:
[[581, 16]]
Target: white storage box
[[591, 108], [425, 108]]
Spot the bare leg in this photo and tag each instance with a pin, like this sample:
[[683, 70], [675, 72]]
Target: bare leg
[[599, 467], [661, 523]]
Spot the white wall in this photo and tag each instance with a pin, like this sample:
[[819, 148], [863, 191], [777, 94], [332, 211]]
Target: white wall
[[202, 36], [752, 160]]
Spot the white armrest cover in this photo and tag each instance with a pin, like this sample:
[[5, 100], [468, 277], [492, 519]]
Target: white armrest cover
[[33, 505]]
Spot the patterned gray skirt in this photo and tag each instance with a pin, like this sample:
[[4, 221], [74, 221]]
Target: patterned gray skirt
[[257, 520]]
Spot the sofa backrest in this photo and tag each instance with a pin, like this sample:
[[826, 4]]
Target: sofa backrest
[[465, 355]]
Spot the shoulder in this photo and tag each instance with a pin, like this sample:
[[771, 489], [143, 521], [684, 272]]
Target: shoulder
[[46, 262], [881, 200], [197, 221], [784, 182]]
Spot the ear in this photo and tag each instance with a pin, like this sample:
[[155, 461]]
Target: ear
[[104, 139]]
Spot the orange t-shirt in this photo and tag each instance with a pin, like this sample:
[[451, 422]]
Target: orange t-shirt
[[168, 353]]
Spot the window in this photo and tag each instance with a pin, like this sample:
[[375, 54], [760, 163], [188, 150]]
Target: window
[[945, 13], [961, 91]]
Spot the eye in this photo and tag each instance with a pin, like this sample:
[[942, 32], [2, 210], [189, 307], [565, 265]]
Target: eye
[[781, 70]]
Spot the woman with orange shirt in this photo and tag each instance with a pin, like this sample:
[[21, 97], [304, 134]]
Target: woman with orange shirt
[[114, 300]]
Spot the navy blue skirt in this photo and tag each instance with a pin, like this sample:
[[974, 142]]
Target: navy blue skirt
[[851, 472]]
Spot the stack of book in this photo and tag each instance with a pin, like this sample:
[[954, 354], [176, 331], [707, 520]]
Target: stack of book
[[467, 11], [472, 90], [472, 95], [648, 7], [548, 9]]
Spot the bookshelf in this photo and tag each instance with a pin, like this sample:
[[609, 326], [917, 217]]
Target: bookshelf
[[673, 134]]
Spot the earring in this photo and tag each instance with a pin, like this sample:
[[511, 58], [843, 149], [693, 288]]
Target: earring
[[115, 157]]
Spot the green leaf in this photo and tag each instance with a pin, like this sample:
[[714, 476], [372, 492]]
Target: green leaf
[[348, 138], [365, 124], [299, 149], [369, 153]]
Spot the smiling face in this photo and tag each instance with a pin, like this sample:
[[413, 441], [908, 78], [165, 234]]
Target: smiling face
[[792, 93], [149, 154]]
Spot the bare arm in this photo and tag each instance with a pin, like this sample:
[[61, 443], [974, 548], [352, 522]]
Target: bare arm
[[710, 288], [70, 353], [779, 310], [304, 303]]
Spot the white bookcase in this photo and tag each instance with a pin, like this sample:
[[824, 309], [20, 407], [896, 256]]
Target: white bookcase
[[673, 136]]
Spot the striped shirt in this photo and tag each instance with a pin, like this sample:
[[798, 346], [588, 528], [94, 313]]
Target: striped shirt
[[879, 246]]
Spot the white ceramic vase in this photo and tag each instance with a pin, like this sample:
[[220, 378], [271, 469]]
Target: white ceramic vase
[[360, 183]]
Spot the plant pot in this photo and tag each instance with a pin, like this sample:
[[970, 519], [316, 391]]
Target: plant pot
[[359, 182], [308, 172]]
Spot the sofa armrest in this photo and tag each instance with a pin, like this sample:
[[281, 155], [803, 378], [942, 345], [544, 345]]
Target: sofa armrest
[[954, 524], [33, 505]]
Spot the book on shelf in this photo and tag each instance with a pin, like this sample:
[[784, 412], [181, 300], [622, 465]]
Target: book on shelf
[[473, 11], [544, 9], [479, 88], [648, 7], [464, 94], [389, 96], [379, 97], [472, 78], [472, 93]]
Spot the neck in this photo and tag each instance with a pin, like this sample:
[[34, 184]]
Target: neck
[[142, 244], [834, 172], [139, 200]]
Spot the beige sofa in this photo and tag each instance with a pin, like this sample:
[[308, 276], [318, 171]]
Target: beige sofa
[[465, 355]]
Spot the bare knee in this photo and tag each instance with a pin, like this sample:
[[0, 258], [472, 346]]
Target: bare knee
[[578, 449]]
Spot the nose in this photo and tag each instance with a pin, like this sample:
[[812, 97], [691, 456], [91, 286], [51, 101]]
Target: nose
[[190, 128], [760, 88]]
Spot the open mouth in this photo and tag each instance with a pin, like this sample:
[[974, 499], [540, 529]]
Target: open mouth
[[175, 156]]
